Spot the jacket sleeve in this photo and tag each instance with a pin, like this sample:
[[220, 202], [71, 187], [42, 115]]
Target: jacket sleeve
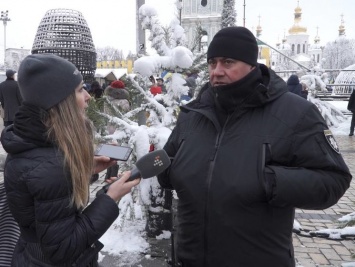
[[64, 232], [70, 237], [171, 148], [317, 176], [18, 95]]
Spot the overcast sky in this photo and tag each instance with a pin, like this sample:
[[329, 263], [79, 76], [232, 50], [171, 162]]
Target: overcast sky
[[112, 22]]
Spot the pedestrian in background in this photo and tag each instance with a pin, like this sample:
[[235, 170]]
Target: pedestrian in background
[[245, 154], [160, 83], [293, 85], [351, 107], [118, 96], [304, 91], [96, 90], [9, 230], [48, 168], [10, 97]]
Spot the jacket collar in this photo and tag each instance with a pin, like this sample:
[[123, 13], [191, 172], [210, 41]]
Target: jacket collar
[[259, 87]]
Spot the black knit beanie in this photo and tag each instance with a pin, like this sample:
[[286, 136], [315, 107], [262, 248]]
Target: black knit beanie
[[234, 42], [46, 79]]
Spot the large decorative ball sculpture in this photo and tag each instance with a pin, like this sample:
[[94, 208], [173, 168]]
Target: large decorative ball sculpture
[[64, 32]]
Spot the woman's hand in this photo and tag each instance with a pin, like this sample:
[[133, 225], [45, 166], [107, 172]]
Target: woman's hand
[[102, 163], [120, 187], [111, 179]]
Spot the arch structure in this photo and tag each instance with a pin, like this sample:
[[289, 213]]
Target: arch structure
[[345, 81]]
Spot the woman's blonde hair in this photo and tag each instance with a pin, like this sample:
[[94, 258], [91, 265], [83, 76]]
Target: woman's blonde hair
[[72, 133]]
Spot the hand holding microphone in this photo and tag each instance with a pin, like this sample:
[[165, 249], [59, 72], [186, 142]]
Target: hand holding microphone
[[121, 187], [148, 166]]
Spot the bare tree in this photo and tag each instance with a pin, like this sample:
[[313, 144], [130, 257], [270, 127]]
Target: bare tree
[[339, 54], [109, 53], [199, 32]]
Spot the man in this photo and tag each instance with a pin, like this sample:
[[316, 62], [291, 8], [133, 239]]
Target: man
[[10, 97], [160, 83], [293, 85], [246, 153], [351, 107]]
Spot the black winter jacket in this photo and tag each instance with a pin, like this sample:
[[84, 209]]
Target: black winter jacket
[[239, 183], [10, 98], [38, 192], [293, 85]]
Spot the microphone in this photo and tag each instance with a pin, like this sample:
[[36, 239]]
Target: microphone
[[149, 165], [203, 2]]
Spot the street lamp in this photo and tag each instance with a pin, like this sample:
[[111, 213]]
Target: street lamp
[[179, 7], [5, 18], [244, 14]]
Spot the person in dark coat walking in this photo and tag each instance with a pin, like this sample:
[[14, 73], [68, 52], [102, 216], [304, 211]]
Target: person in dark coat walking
[[351, 107], [96, 90], [48, 168], [10, 97], [293, 85], [304, 91], [245, 153]]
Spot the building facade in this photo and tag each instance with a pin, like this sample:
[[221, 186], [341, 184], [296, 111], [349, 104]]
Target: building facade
[[116, 64], [195, 17], [14, 56], [297, 46]]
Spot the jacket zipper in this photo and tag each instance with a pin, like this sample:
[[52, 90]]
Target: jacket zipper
[[209, 179]]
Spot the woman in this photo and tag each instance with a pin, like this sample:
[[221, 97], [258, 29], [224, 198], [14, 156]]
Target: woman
[[48, 168]]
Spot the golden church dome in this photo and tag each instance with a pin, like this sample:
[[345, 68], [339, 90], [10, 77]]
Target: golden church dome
[[296, 29]]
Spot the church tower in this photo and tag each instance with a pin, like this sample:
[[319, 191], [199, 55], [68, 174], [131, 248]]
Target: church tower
[[342, 27], [207, 18], [264, 51], [298, 37], [294, 45], [316, 50]]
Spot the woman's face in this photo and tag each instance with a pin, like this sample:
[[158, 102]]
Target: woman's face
[[82, 97]]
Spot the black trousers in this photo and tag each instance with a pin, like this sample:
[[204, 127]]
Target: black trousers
[[352, 125]]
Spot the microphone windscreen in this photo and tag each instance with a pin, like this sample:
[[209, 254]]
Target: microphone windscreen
[[204, 3], [149, 165], [153, 163]]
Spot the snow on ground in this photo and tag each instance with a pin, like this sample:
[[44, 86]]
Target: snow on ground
[[344, 127]]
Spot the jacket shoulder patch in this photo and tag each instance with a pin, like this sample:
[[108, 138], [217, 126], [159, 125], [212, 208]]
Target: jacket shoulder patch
[[331, 141]]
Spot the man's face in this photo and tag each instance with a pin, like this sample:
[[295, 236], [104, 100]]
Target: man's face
[[159, 82], [224, 71]]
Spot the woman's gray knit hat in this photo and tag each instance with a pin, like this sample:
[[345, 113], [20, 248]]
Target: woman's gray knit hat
[[46, 79]]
